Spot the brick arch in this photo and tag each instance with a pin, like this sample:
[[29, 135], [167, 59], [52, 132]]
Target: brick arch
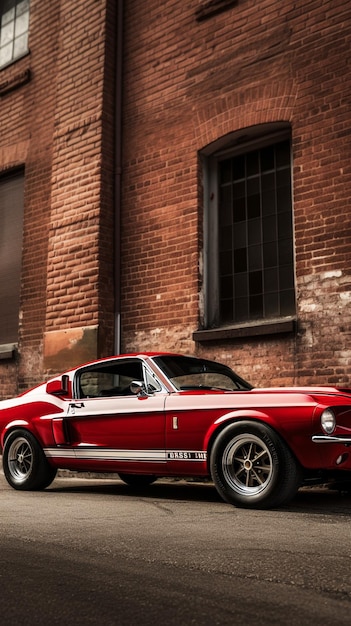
[[256, 105]]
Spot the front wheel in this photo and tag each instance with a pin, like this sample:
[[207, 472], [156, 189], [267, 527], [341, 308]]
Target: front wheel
[[24, 462], [252, 467]]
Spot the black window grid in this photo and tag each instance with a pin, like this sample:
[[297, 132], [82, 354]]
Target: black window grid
[[256, 266]]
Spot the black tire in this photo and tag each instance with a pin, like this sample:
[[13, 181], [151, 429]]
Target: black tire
[[24, 462], [138, 481], [252, 467]]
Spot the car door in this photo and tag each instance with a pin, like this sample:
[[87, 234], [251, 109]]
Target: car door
[[111, 428]]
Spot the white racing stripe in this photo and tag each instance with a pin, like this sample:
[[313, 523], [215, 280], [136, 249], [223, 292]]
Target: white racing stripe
[[109, 454]]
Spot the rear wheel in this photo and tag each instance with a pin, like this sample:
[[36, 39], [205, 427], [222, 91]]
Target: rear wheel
[[24, 462], [252, 467], [138, 480]]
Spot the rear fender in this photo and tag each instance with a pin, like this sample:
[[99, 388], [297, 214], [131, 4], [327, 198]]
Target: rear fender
[[13, 426], [40, 428]]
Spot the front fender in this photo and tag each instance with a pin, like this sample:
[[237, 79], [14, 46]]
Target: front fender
[[293, 424], [235, 416]]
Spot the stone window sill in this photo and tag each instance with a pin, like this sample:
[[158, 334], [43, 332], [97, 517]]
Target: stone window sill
[[208, 8], [253, 329], [7, 351], [14, 82]]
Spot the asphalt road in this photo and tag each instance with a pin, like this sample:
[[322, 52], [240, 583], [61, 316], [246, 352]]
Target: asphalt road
[[95, 552]]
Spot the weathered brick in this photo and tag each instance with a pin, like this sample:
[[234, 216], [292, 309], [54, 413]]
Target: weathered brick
[[186, 83]]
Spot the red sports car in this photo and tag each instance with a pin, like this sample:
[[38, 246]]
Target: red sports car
[[153, 415]]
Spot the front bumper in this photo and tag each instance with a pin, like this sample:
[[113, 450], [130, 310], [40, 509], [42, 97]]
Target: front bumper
[[346, 441]]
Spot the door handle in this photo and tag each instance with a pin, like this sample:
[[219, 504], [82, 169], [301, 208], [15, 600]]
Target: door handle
[[73, 406]]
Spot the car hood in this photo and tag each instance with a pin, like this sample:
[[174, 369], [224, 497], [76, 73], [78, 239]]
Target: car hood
[[311, 391]]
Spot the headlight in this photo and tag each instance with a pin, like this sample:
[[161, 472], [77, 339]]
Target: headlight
[[328, 421]]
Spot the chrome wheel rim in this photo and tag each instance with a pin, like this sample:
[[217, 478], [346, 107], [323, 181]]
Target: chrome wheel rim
[[20, 459], [247, 465]]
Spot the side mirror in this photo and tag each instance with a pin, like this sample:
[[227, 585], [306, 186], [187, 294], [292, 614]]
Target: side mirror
[[58, 387], [137, 387]]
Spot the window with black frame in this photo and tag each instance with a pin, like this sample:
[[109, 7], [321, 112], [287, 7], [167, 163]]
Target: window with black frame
[[14, 26], [11, 237], [108, 379], [250, 258]]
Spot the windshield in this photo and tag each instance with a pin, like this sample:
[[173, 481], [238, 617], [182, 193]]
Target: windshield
[[192, 373]]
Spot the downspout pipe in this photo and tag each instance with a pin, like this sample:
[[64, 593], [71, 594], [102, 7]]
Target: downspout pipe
[[118, 175]]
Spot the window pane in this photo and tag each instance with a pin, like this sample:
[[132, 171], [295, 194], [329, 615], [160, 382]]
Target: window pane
[[268, 202], [7, 16], [285, 251], [14, 30], [238, 168], [254, 231], [253, 198], [240, 285], [225, 238], [270, 256], [255, 282], [252, 163], [239, 209], [22, 7], [225, 212], [6, 54], [271, 280], [271, 304], [239, 190], [283, 154], [21, 45], [284, 225], [269, 228], [256, 274], [267, 159], [21, 24], [226, 311], [225, 262], [11, 220], [286, 279], [255, 258], [268, 182], [256, 307], [283, 178], [241, 309], [287, 302], [227, 287], [240, 261], [240, 240], [7, 33], [225, 172]]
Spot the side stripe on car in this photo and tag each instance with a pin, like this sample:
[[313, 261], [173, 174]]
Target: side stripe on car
[[110, 454]]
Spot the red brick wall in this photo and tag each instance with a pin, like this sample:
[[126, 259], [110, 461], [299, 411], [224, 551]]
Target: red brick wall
[[187, 83], [80, 240], [26, 120], [59, 125]]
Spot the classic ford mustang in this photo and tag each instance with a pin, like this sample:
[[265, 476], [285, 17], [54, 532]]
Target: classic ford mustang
[[154, 415]]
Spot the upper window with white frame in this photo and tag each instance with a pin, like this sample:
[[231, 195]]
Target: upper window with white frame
[[249, 258], [14, 30]]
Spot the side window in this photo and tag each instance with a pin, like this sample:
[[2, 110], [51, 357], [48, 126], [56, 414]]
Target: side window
[[108, 379], [249, 238], [14, 27], [11, 235]]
